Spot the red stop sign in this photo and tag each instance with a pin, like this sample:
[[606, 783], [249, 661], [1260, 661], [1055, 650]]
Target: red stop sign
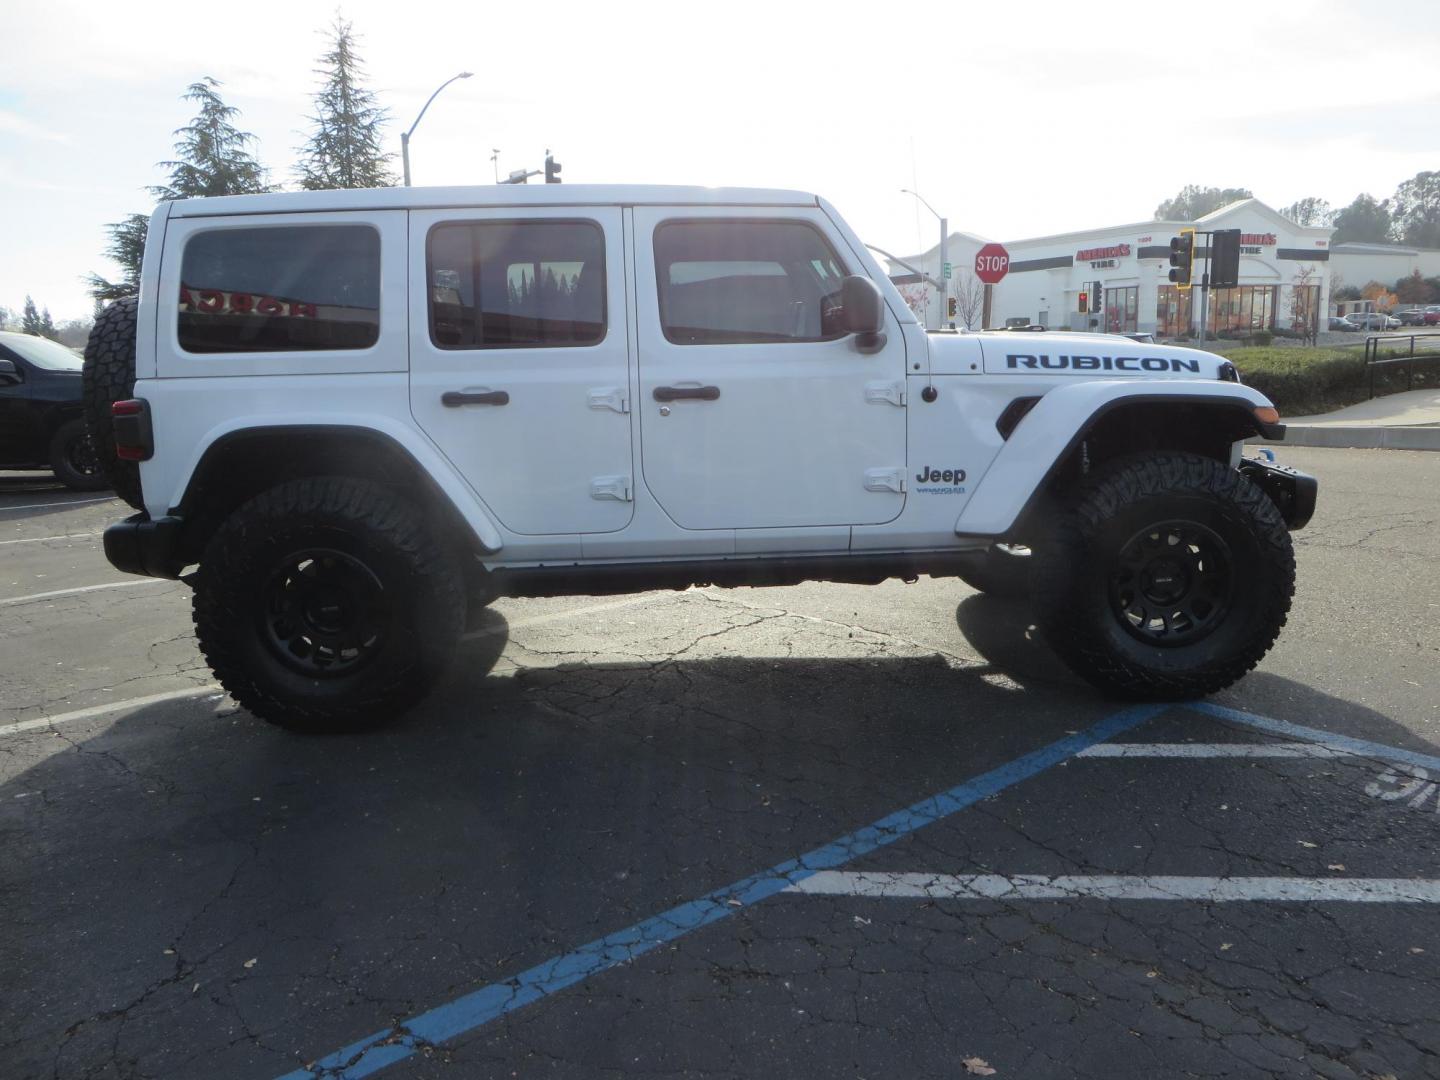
[[992, 262]]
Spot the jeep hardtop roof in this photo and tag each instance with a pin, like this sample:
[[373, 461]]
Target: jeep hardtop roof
[[519, 195]]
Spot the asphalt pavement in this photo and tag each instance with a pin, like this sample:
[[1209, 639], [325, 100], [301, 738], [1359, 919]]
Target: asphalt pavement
[[815, 831]]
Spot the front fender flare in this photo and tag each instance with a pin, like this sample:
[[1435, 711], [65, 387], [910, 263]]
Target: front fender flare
[[1057, 424]]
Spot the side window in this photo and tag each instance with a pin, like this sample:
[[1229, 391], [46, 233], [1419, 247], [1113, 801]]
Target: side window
[[746, 281], [516, 284], [284, 289]]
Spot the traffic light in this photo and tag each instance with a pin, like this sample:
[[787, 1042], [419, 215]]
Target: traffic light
[[1182, 257], [552, 169], [1225, 258], [1084, 305], [952, 307], [1095, 296]]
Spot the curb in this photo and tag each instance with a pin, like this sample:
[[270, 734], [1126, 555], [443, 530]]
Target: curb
[[1358, 438]]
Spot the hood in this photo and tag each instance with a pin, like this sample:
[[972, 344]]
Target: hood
[[1096, 356]]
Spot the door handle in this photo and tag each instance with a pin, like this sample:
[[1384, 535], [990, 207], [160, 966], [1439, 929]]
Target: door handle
[[686, 393], [466, 397]]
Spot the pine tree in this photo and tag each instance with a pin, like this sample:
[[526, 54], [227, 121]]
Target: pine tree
[[126, 247], [213, 159], [345, 145], [30, 317], [47, 326], [213, 156]]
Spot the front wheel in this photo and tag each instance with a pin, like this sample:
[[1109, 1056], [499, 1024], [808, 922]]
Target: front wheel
[[324, 605], [1170, 578]]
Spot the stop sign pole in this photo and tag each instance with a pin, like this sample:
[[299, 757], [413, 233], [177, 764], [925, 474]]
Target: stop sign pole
[[992, 263]]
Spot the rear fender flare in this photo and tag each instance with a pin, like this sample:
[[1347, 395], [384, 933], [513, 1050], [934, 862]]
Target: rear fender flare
[[427, 459]]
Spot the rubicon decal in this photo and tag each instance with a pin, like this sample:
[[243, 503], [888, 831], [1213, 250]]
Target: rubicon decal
[[1026, 361]]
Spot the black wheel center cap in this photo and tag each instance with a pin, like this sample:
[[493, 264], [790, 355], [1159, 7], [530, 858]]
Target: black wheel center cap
[[1165, 581]]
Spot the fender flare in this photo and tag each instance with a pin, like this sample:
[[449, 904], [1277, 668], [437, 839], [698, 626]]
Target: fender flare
[[423, 455], [1062, 418]]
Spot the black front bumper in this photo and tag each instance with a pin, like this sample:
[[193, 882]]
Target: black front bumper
[[139, 545], [1292, 491]]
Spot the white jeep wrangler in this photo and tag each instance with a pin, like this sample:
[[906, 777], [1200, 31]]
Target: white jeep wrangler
[[358, 412]]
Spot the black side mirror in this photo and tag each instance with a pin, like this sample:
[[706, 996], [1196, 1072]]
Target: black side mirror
[[864, 312], [9, 373]]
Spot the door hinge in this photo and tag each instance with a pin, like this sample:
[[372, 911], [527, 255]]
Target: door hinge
[[885, 480], [610, 397], [610, 487], [893, 392]]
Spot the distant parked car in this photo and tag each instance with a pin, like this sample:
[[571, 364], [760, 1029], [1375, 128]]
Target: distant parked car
[[41, 426], [1372, 320], [1432, 315], [1411, 317], [1340, 323]]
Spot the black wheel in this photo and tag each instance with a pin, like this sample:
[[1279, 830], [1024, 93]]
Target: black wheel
[[73, 459], [1002, 570], [1169, 579], [324, 605], [109, 376]]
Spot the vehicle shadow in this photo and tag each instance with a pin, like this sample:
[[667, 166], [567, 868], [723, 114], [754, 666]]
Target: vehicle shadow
[[203, 866], [1004, 633]]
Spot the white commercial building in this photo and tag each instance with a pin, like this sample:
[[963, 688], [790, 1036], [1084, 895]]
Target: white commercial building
[[1357, 264], [1284, 277]]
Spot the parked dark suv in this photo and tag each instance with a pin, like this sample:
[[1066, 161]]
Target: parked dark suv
[[41, 426]]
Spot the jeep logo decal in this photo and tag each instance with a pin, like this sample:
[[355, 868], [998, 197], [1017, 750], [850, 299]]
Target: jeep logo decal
[[1014, 361], [927, 475]]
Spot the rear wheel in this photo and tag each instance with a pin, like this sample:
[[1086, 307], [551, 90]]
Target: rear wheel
[[1169, 579], [73, 458], [324, 605]]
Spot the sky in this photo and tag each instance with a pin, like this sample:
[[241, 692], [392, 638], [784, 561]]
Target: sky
[[1013, 119]]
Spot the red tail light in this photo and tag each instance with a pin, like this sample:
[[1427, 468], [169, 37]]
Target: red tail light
[[134, 436]]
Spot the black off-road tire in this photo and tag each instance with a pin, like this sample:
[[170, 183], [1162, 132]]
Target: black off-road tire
[[999, 570], [109, 376], [73, 459], [251, 592], [1081, 581]]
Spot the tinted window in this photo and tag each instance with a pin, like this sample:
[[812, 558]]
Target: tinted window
[[509, 284], [746, 281], [43, 353], [281, 289]]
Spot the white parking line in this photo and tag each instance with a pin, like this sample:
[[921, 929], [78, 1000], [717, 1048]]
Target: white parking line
[[1212, 750], [42, 539], [1115, 887], [108, 707], [62, 502], [84, 589]]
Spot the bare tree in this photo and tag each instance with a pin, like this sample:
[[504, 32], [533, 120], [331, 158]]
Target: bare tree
[[917, 296], [1305, 304], [969, 298]]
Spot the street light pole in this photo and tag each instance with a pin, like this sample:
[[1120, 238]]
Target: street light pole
[[944, 237], [405, 136]]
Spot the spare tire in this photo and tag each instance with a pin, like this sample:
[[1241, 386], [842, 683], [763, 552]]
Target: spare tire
[[110, 377]]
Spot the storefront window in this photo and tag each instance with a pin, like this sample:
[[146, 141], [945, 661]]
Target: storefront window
[[1172, 311], [1242, 310], [1305, 309], [1122, 308]]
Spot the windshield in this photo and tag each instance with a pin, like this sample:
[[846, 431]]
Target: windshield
[[43, 353]]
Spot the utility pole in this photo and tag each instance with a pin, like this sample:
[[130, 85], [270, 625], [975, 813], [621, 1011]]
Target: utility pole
[[405, 135]]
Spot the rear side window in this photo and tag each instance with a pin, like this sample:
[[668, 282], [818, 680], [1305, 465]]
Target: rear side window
[[286, 289], [735, 282], [516, 284]]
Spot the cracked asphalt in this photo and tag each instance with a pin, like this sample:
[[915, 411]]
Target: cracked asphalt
[[187, 892]]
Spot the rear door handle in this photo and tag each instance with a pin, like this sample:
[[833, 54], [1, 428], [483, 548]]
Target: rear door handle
[[480, 397], [686, 393]]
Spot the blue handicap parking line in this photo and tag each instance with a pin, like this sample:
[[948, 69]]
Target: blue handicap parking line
[[1346, 743], [369, 1055], [474, 1010]]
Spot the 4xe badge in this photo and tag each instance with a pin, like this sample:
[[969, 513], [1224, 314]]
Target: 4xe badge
[[940, 481]]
